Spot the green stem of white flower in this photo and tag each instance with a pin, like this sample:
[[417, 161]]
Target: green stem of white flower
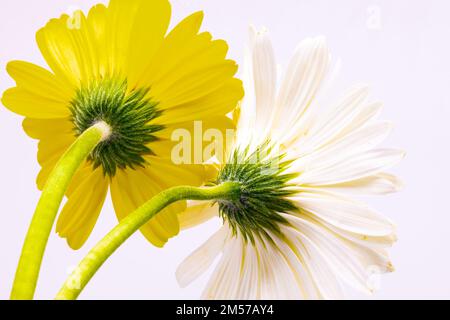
[[27, 272], [128, 226]]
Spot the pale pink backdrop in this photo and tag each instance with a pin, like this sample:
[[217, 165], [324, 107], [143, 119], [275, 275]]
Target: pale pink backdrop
[[400, 47]]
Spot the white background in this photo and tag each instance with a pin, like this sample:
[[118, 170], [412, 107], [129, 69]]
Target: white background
[[400, 47]]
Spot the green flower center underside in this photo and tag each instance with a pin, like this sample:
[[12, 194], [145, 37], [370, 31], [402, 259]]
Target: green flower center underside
[[265, 192], [128, 113]]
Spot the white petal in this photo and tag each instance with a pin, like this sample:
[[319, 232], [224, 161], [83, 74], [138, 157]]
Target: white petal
[[356, 142], [265, 79], [277, 279], [340, 258], [367, 114], [201, 259], [345, 214], [324, 278], [359, 166], [249, 288], [232, 280], [304, 77], [295, 262], [370, 251], [372, 258], [224, 281], [381, 183], [247, 111], [336, 119], [371, 242]]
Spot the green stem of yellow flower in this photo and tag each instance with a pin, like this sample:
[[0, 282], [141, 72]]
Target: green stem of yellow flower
[[128, 226], [27, 272]]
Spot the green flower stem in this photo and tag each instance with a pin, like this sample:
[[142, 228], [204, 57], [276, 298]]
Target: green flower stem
[[128, 226], [27, 272]]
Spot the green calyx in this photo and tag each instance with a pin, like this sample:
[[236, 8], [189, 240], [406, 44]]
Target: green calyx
[[264, 194], [129, 115]]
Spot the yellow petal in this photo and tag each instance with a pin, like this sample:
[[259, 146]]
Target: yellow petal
[[54, 146], [196, 213], [96, 25], [197, 84], [221, 101], [211, 171], [120, 20], [174, 175], [47, 128], [221, 123], [48, 156], [147, 34], [46, 169], [176, 48], [84, 171], [55, 137], [86, 45], [189, 75], [39, 81], [32, 105], [82, 209], [132, 188], [76, 47], [188, 66], [57, 47], [198, 131]]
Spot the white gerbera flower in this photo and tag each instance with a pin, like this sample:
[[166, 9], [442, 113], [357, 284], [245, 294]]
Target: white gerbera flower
[[293, 233]]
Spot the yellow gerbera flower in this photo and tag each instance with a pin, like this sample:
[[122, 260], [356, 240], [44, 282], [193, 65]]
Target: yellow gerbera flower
[[119, 65]]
